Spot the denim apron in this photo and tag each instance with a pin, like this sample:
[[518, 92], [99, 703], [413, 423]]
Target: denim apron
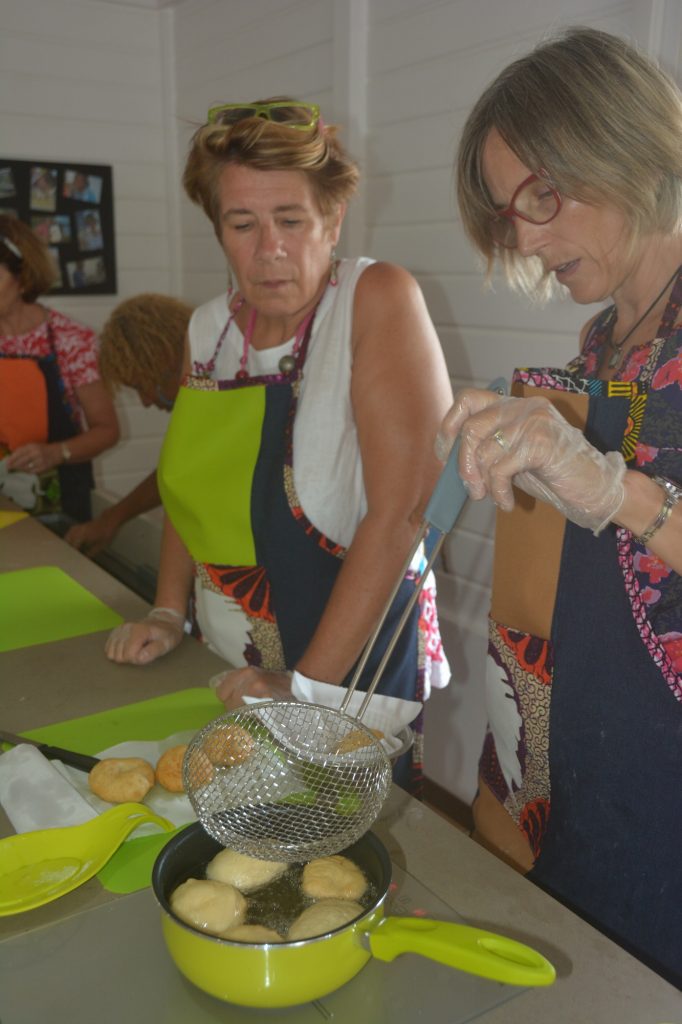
[[588, 648], [226, 481]]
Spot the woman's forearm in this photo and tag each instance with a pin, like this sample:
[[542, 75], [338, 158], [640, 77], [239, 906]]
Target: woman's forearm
[[642, 502], [141, 499], [175, 572]]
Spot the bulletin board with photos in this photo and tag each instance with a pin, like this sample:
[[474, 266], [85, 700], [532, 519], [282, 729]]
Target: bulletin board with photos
[[70, 207]]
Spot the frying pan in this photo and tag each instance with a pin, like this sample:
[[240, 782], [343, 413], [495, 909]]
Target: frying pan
[[289, 973]]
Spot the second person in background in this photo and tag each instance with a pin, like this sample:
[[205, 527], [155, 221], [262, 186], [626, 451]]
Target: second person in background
[[141, 347], [299, 457]]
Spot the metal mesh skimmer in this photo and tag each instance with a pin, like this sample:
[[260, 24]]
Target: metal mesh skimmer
[[286, 780]]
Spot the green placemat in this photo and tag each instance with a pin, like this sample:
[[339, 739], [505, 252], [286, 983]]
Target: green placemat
[[43, 604], [152, 719], [130, 868]]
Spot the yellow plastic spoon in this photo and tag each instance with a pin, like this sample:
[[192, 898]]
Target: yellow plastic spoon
[[37, 867]]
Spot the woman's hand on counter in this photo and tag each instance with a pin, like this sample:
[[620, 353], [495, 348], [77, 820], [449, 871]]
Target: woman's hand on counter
[[230, 686], [35, 457], [138, 643], [93, 536]]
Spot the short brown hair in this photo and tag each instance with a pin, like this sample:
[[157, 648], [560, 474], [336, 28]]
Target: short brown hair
[[35, 269], [269, 146], [604, 122], [142, 342]]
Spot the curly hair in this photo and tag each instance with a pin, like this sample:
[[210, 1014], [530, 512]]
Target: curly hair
[[600, 118], [142, 342], [34, 269], [269, 146]]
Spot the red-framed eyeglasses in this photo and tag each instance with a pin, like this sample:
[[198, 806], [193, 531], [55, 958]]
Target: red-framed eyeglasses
[[535, 201]]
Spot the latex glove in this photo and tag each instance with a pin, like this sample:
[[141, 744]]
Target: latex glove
[[93, 536], [537, 450], [230, 686], [138, 643]]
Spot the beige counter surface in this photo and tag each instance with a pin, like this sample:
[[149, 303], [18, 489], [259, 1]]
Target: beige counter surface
[[597, 981]]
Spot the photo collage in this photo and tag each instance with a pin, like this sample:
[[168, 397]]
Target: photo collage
[[70, 208]]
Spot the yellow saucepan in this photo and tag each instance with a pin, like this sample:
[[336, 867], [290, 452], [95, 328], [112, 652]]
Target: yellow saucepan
[[288, 973]]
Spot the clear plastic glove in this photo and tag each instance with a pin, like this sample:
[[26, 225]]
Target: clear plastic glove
[[527, 442], [138, 643], [230, 686]]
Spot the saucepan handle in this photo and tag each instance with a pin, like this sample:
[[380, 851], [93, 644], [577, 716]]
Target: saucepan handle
[[456, 945]]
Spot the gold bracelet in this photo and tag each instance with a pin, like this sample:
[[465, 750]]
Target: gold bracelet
[[673, 494]]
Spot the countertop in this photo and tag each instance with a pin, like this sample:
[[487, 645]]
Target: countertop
[[596, 980]]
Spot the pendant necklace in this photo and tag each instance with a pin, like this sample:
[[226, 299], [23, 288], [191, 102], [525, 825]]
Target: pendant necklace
[[615, 357], [287, 363]]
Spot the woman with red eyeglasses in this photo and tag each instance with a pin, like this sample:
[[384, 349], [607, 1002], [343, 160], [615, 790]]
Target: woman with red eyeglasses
[[570, 177], [300, 448]]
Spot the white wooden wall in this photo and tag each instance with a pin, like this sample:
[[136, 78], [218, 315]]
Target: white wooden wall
[[90, 81], [112, 83]]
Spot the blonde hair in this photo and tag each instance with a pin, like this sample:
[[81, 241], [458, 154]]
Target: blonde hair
[[269, 146], [35, 270], [142, 342], [602, 120]]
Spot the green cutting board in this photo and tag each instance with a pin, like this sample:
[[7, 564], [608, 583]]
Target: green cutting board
[[131, 866], [43, 604]]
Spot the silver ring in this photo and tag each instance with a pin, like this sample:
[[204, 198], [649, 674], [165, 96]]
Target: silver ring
[[501, 440]]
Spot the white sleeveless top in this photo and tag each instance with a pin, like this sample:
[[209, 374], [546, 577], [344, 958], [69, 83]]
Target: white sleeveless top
[[326, 456], [331, 488]]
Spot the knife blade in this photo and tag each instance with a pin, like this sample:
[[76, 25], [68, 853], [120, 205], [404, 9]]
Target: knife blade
[[84, 762]]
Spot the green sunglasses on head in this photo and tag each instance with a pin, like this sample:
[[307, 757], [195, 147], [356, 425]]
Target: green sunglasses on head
[[301, 116]]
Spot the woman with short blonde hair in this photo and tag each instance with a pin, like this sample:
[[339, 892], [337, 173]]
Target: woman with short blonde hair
[[569, 176], [300, 448]]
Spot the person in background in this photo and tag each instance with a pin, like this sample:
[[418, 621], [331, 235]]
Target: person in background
[[142, 345], [300, 451], [570, 177], [55, 413]]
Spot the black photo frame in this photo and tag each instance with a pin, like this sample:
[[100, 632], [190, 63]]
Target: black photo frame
[[70, 206]]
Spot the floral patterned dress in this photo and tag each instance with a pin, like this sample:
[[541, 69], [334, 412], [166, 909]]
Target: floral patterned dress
[[583, 755]]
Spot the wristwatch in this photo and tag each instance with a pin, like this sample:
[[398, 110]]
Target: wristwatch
[[66, 453], [673, 494]]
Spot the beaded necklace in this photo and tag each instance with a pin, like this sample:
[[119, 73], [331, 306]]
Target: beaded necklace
[[286, 364]]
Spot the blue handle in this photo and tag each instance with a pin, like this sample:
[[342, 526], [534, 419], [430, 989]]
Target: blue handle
[[450, 494]]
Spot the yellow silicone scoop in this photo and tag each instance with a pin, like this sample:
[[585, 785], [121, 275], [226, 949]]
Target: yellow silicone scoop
[[37, 867]]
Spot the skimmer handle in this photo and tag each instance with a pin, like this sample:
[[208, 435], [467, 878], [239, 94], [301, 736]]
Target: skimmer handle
[[446, 503], [450, 494]]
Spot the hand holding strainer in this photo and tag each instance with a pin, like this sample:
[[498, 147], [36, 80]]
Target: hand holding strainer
[[287, 780]]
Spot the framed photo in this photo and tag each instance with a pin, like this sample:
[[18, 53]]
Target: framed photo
[[70, 207]]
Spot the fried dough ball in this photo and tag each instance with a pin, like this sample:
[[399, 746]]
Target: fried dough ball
[[169, 769], [252, 933], [120, 779], [333, 878], [209, 906], [229, 746], [246, 873], [322, 917], [356, 739]]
